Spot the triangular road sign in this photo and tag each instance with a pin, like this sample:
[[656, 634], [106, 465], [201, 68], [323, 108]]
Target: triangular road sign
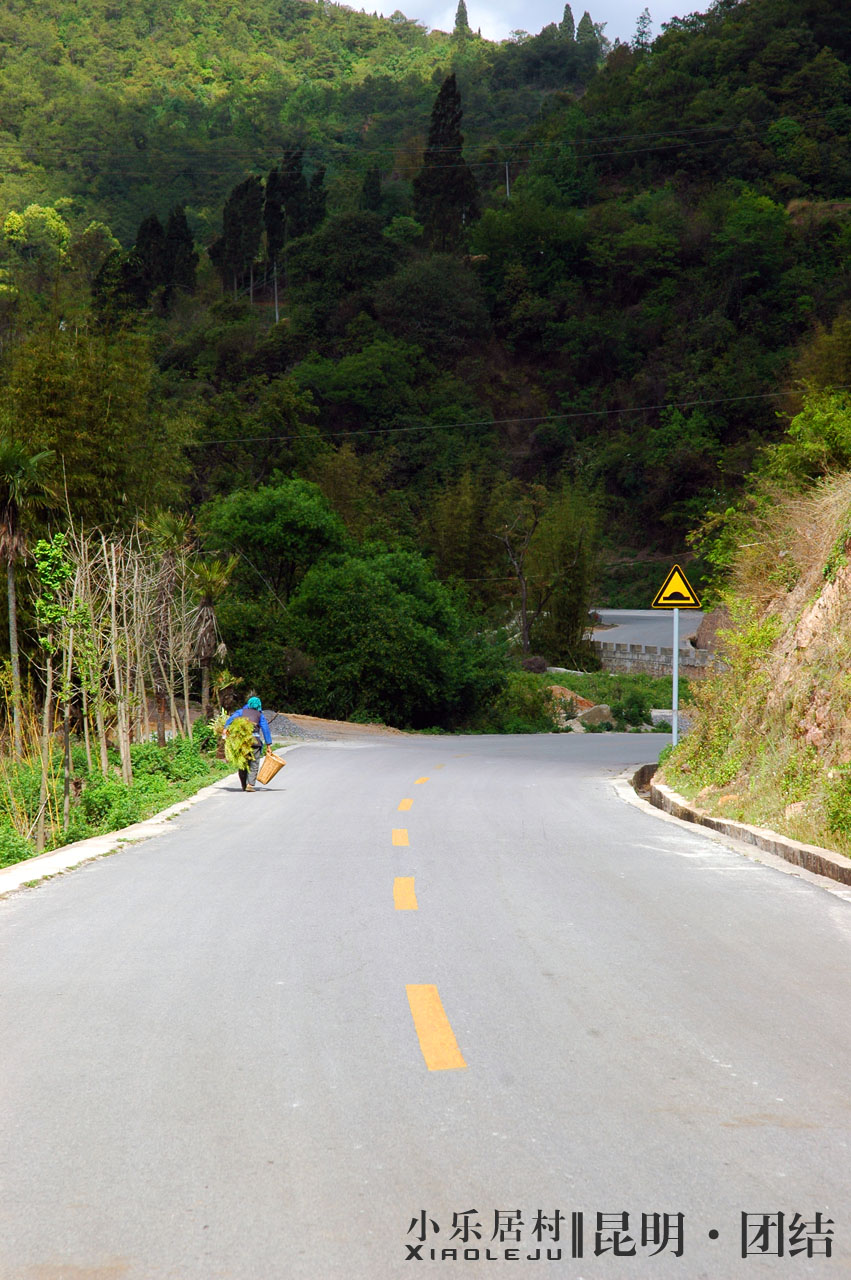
[[677, 592]]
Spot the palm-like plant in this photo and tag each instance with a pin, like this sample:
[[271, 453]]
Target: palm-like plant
[[23, 491], [209, 579]]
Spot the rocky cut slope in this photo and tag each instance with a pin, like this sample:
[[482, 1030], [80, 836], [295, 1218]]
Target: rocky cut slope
[[771, 740]]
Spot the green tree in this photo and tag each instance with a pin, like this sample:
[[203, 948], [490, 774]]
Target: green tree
[[567, 26], [88, 251], [150, 249], [317, 199], [462, 23], [278, 531], [93, 399], [236, 250], [643, 37], [294, 194], [370, 200], [273, 224], [446, 199], [23, 492], [181, 256], [387, 639], [209, 580], [39, 238]]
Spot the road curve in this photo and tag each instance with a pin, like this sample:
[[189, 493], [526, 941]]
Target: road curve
[[424, 986]]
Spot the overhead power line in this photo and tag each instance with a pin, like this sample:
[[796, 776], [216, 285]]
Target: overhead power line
[[538, 419]]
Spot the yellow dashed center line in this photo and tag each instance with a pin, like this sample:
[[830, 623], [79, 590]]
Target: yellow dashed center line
[[404, 897], [400, 835], [437, 1040], [419, 780], [404, 805]]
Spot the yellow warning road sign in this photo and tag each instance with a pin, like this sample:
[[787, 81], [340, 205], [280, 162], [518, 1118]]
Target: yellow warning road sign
[[676, 593]]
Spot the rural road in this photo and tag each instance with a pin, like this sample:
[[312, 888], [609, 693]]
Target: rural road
[[645, 626], [237, 1051]]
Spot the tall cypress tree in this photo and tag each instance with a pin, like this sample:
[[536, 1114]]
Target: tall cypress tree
[[370, 198], [181, 258], [316, 199], [151, 251], [568, 26], [446, 198], [235, 252], [462, 23], [273, 222], [294, 195]]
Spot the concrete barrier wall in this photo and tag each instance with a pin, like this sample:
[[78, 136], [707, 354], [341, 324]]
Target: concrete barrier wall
[[654, 660]]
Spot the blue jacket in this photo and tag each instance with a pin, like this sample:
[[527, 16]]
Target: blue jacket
[[250, 713]]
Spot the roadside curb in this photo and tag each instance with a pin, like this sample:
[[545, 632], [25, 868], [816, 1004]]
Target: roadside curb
[[43, 866], [809, 857]]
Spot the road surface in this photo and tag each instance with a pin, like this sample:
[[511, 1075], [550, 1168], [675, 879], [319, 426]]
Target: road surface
[[646, 626], [317, 1032]]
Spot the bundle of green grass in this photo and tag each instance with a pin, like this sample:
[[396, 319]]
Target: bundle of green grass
[[239, 743]]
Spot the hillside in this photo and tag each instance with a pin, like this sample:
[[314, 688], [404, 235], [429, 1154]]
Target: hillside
[[771, 742], [127, 108], [444, 314]]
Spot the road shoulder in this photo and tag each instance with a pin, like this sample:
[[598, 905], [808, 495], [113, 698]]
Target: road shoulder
[[819, 866]]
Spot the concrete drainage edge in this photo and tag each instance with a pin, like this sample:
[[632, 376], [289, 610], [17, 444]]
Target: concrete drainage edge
[[822, 862]]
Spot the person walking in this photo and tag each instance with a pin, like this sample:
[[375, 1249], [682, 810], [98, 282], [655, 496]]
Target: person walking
[[253, 712]]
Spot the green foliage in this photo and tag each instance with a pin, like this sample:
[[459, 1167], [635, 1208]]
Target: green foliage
[[388, 639], [92, 400], [446, 198], [632, 710], [523, 706], [838, 803], [239, 743], [277, 530], [13, 846], [817, 442]]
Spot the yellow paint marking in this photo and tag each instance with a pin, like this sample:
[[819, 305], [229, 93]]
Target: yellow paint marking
[[419, 780], [404, 897], [405, 805], [440, 766], [400, 835], [437, 1041]]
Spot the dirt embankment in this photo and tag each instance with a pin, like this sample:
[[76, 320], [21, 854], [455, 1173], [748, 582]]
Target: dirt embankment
[[771, 741]]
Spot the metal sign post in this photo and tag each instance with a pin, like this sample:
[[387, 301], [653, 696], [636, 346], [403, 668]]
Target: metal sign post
[[676, 593], [676, 695]]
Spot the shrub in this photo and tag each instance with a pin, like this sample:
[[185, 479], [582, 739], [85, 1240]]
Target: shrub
[[204, 736], [391, 641], [524, 706], [108, 804], [13, 846], [634, 709]]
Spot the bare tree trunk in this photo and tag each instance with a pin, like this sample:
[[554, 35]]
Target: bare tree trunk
[[15, 657], [66, 695], [46, 726], [120, 693], [87, 737], [206, 708]]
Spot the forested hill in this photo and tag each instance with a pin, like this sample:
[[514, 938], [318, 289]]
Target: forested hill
[[126, 107], [331, 321]]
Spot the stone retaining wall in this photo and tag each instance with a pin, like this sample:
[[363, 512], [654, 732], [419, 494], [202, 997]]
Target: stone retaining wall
[[654, 660]]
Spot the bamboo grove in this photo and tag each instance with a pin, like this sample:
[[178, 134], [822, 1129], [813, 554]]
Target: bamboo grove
[[124, 621]]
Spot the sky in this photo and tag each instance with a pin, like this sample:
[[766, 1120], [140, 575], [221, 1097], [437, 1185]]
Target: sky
[[498, 18]]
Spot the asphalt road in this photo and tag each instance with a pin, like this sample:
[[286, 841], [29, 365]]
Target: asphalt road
[[211, 1067], [646, 626]]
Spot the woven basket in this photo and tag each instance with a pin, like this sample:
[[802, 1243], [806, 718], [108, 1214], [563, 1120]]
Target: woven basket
[[269, 767]]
